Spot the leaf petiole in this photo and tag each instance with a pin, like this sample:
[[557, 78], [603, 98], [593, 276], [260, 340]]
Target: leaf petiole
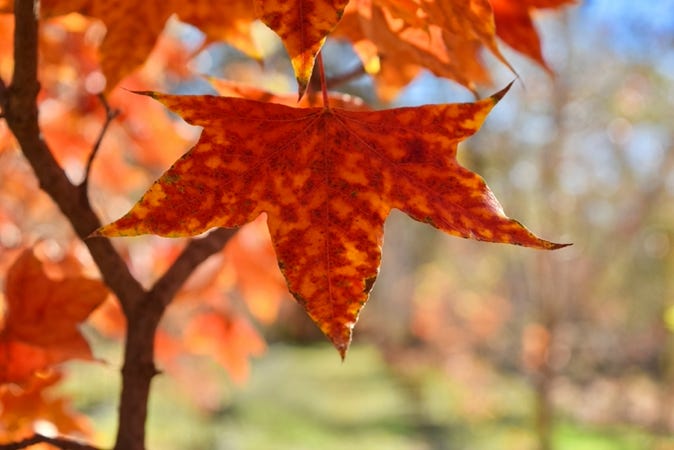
[[324, 85]]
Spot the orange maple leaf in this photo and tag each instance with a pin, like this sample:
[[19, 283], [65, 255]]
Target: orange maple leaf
[[303, 25], [133, 27], [40, 326], [229, 339], [327, 179], [251, 261], [24, 405], [515, 26], [395, 39]]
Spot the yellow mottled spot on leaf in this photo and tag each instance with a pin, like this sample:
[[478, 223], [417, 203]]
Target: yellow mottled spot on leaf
[[213, 162], [373, 65], [193, 224]]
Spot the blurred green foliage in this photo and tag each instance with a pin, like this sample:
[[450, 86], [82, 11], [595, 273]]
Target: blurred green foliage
[[303, 397]]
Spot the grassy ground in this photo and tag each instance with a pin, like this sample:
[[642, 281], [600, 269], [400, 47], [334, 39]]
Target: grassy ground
[[306, 398]]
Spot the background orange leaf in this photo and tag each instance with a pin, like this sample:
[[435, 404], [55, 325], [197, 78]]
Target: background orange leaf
[[515, 26], [395, 40], [251, 259], [22, 406], [40, 323], [133, 27], [230, 340]]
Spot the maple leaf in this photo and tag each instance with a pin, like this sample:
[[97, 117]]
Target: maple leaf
[[445, 37], [230, 340], [303, 26], [327, 179], [251, 260], [133, 27], [40, 326], [24, 405], [515, 26]]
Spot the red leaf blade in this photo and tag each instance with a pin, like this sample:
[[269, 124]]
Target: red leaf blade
[[327, 179]]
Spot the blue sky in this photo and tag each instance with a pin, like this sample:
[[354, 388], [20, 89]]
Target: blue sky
[[632, 28]]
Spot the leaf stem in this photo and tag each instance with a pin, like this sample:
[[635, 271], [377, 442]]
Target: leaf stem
[[324, 85]]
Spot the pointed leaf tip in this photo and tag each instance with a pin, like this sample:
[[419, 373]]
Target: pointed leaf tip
[[340, 339], [152, 94], [302, 85], [500, 94], [555, 246], [341, 347]]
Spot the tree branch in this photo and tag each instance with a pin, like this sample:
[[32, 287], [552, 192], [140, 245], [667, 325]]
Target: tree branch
[[62, 443]]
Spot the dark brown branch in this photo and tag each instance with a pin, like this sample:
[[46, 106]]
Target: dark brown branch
[[25, 74], [62, 443], [110, 115]]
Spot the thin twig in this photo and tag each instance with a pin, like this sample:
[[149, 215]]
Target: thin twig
[[110, 115], [62, 443]]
